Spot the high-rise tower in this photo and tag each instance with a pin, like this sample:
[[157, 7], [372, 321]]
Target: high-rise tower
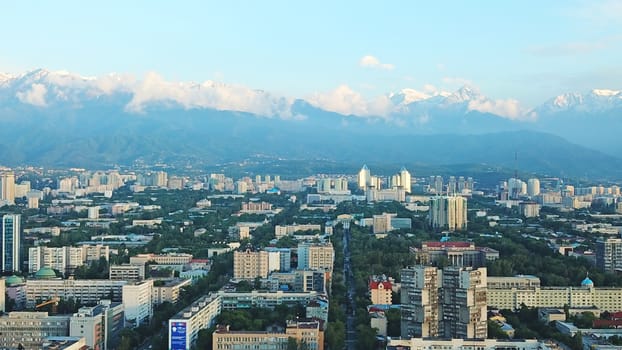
[[10, 243]]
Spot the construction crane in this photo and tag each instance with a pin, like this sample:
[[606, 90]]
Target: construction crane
[[53, 301]]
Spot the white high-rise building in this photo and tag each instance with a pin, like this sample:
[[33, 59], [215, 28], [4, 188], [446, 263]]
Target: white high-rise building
[[364, 179], [7, 187], [405, 180], [533, 187], [137, 302], [448, 212]]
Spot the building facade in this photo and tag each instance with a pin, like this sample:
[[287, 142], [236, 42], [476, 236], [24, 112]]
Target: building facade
[[30, 329], [137, 302], [609, 254], [448, 212], [84, 291], [316, 256], [454, 253], [10, 243], [308, 333], [248, 264], [448, 303], [511, 295]]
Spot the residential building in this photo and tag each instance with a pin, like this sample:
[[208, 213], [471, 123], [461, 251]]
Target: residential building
[[248, 264], [448, 212], [100, 325], [137, 302], [7, 187], [279, 259], [529, 209], [420, 300], [307, 332], [609, 254], [364, 177], [449, 303], [464, 308], [316, 256], [10, 243], [168, 291], [127, 272], [380, 290], [63, 259], [184, 327], [30, 329], [83, 291], [533, 187]]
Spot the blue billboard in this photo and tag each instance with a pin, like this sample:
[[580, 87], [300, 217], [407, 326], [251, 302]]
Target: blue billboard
[[177, 333]]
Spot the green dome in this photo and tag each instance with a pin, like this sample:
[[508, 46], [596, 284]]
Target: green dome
[[45, 273], [13, 281]]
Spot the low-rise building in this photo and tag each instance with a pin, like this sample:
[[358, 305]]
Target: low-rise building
[[456, 253], [168, 291], [127, 272], [83, 291], [304, 332], [584, 296], [463, 344], [30, 329]]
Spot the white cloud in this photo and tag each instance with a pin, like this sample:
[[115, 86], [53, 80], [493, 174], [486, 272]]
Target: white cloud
[[373, 62], [509, 108], [208, 95], [35, 96], [346, 101]]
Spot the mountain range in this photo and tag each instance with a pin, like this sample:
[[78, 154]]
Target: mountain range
[[63, 119]]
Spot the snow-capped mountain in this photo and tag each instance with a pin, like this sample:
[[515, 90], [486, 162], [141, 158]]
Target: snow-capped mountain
[[45, 89], [597, 100]]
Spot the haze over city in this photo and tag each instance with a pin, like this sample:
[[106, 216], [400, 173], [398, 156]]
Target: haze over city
[[311, 176]]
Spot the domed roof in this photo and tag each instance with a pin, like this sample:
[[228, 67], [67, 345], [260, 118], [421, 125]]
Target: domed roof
[[45, 273], [587, 282], [13, 280]]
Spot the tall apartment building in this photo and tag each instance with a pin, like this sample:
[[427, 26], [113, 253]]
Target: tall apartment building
[[609, 254], [7, 187], [308, 333], [364, 177], [137, 302], [420, 301], [248, 264], [448, 212], [316, 256], [10, 243], [464, 308], [449, 303]]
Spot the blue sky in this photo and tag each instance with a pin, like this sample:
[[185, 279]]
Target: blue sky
[[525, 50]]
